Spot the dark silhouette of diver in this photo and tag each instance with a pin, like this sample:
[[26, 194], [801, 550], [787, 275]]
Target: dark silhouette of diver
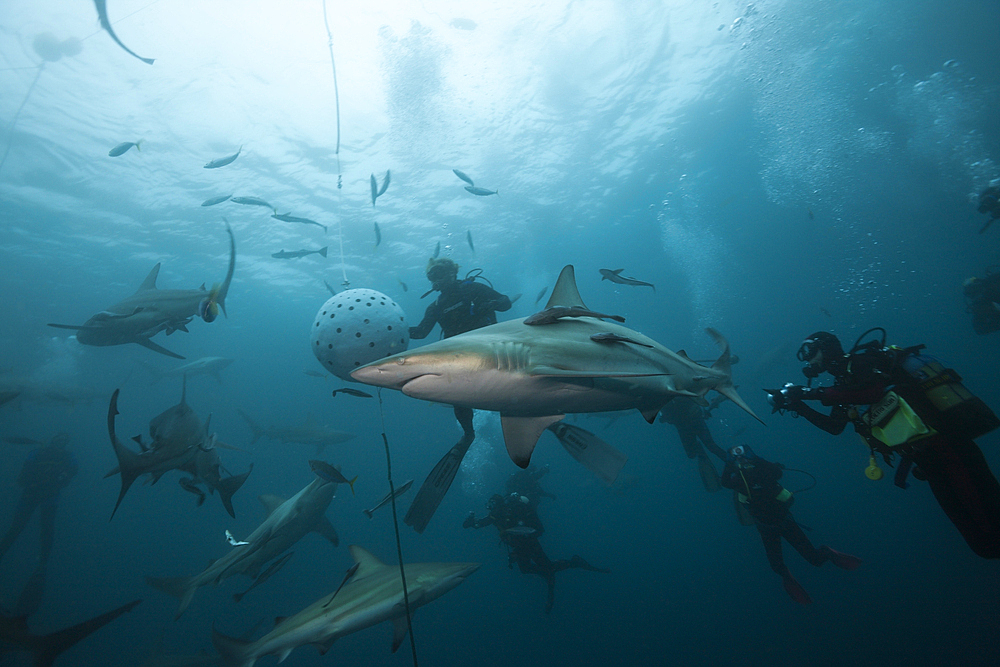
[[461, 306], [755, 481], [45, 472], [689, 419], [519, 526]]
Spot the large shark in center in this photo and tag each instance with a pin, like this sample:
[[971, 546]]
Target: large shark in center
[[567, 362], [147, 312], [374, 594]]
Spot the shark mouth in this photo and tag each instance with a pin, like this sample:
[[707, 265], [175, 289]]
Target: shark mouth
[[408, 386]]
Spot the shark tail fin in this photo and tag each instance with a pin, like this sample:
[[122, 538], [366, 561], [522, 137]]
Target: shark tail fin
[[129, 464], [368, 513], [724, 364], [230, 485], [234, 652], [257, 430], [351, 482], [52, 645], [323, 250]]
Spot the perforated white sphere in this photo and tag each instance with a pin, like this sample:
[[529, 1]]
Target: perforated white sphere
[[355, 327]]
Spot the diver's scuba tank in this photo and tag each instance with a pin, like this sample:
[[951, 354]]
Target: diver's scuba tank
[[950, 407]]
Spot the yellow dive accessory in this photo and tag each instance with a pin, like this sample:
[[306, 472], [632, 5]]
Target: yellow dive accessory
[[893, 422], [873, 472]]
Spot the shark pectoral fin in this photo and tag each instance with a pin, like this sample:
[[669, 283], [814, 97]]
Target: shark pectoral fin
[[521, 434], [145, 342], [399, 629], [326, 529], [729, 391]]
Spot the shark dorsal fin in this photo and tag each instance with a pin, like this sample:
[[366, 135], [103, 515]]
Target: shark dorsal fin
[[565, 292], [367, 563], [682, 353], [150, 281], [271, 502]]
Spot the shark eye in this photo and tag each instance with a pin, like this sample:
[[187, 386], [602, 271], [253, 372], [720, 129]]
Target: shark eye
[[401, 361]]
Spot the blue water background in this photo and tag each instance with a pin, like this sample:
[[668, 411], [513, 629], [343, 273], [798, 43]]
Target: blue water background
[[759, 164]]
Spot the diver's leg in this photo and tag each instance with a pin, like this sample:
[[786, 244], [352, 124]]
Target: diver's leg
[[47, 521], [22, 513], [966, 490], [771, 537]]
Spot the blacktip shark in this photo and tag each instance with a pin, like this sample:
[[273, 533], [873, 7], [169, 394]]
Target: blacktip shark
[[179, 440], [373, 594], [15, 635], [286, 523], [204, 366], [149, 311], [534, 375], [310, 433]]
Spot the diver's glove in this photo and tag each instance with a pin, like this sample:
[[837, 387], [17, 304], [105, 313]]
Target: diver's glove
[[470, 520], [788, 396]]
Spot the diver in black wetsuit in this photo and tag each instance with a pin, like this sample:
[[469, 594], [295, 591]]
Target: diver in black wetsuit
[[982, 300], [461, 306], [689, 419], [519, 526], [45, 472], [905, 403], [758, 490]]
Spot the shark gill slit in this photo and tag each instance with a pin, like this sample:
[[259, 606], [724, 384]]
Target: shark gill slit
[[395, 525]]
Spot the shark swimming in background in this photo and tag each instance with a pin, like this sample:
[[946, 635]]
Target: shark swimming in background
[[373, 594], [180, 441], [286, 523], [147, 312], [310, 433], [533, 375], [15, 635], [204, 366]]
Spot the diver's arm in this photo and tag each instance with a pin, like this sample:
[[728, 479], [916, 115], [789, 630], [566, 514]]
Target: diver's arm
[[832, 423], [426, 324], [489, 299]]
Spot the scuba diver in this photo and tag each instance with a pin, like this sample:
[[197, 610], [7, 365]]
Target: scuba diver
[[45, 472], [982, 299], [519, 526], [989, 203], [461, 306], [905, 403], [526, 483], [689, 419], [755, 481]]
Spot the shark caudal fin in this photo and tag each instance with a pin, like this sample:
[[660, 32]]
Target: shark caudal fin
[[179, 587], [234, 652], [724, 364], [258, 432], [129, 463], [230, 485], [323, 250], [565, 292], [51, 645]]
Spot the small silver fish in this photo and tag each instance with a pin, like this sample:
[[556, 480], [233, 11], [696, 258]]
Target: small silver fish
[[216, 200], [481, 192], [468, 237], [351, 392], [437, 250], [124, 147], [253, 201], [464, 177], [326, 471], [389, 496], [223, 161], [374, 189], [288, 217], [402, 284], [385, 184], [378, 235], [541, 294]]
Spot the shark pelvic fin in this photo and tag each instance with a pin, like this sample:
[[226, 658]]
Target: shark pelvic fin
[[521, 435], [399, 629], [565, 292], [150, 281]]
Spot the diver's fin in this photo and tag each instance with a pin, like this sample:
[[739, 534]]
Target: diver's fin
[[145, 342], [436, 486], [520, 434], [593, 453]]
